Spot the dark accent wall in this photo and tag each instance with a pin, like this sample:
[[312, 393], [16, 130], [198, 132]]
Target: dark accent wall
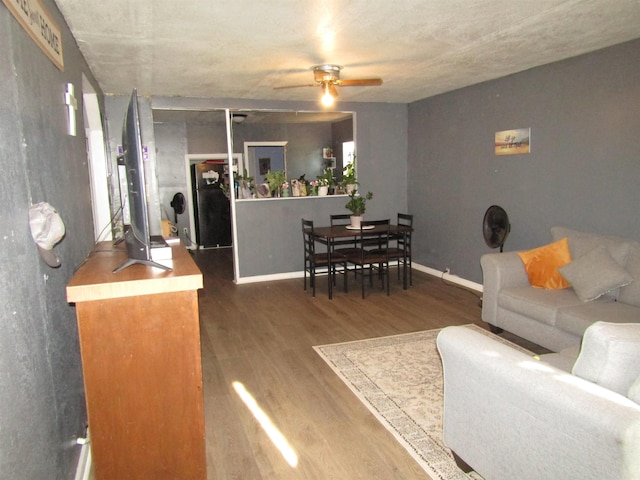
[[583, 170], [42, 409]]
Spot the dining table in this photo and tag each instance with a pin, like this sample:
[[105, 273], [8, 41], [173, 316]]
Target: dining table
[[327, 234]]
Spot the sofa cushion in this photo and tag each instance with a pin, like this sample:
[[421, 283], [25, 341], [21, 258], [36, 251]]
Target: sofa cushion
[[562, 360], [576, 319], [542, 263], [610, 355], [631, 293], [537, 303], [581, 243], [594, 274]]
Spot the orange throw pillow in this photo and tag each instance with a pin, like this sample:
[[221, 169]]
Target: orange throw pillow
[[542, 265]]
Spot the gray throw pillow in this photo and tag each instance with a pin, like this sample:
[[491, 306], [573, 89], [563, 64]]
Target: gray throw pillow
[[595, 274], [610, 356]]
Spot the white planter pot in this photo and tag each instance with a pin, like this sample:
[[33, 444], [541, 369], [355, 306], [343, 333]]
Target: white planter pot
[[323, 190], [355, 221], [350, 188]]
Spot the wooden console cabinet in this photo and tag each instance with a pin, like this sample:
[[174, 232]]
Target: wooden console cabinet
[[140, 344]]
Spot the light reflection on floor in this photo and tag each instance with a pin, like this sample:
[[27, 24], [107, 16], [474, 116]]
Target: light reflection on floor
[[267, 425]]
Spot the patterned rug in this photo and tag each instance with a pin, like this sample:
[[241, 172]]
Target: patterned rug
[[399, 379]]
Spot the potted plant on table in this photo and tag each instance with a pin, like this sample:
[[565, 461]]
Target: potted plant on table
[[357, 204]]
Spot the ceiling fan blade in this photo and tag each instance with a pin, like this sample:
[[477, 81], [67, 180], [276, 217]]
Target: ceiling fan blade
[[296, 86], [360, 82]]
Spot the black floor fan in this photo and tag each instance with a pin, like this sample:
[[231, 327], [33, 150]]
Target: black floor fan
[[178, 205], [495, 227]]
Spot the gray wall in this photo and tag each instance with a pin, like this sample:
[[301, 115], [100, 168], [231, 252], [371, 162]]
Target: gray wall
[[171, 142], [583, 170], [42, 408]]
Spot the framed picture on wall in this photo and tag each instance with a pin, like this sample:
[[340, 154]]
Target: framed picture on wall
[[264, 165], [513, 142]]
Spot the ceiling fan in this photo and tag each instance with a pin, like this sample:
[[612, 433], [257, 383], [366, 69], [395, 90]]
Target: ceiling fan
[[327, 77]]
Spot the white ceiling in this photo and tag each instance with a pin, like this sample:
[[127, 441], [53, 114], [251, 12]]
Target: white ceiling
[[244, 48]]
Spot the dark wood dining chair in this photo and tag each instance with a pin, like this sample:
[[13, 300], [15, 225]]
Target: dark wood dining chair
[[314, 260], [344, 245], [401, 251], [369, 259]]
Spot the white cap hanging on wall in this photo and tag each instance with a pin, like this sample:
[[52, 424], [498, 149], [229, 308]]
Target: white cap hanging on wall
[[47, 229]]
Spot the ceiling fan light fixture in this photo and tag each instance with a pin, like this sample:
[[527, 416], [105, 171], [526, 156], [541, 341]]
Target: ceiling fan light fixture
[[328, 98]]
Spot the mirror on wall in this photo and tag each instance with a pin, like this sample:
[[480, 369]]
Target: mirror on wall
[[307, 135]]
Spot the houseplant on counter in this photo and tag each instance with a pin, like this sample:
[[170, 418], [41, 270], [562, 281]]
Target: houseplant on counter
[[325, 181], [244, 185], [357, 204], [349, 181], [275, 181]]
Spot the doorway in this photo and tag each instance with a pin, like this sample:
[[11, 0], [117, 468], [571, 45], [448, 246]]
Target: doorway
[[262, 157], [208, 202]]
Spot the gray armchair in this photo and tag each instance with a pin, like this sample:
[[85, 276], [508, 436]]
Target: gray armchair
[[511, 416]]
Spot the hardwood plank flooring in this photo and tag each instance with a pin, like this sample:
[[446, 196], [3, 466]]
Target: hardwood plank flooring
[[262, 335]]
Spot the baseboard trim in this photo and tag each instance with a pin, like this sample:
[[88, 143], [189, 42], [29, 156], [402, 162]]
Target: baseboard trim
[[83, 469], [272, 277], [428, 270], [449, 277]]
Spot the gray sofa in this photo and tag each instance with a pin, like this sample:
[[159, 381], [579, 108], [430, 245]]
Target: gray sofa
[[510, 416], [557, 319]]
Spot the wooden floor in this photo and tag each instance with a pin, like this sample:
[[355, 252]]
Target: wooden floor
[[261, 335]]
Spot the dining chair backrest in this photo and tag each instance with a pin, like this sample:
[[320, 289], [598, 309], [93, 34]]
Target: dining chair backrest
[[404, 239], [381, 240], [307, 235], [405, 219], [340, 219], [378, 258]]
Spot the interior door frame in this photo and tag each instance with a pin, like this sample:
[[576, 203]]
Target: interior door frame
[[249, 160], [194, 159], [97, 162]]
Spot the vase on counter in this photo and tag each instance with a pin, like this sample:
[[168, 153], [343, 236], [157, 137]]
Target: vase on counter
[[323, 190]]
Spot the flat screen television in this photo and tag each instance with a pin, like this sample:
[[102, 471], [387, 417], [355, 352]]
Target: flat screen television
[[137, 237]]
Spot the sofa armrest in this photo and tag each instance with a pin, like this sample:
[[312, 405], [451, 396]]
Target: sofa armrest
[[511, 416], [499, 270]]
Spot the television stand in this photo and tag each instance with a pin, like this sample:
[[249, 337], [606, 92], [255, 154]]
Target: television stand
[[148, 263], [139, 336]]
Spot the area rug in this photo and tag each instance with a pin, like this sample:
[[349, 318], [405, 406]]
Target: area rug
[[399, 379]]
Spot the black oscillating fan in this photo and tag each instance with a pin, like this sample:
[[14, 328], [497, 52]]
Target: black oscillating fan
[[495, 226], [178, 205]]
